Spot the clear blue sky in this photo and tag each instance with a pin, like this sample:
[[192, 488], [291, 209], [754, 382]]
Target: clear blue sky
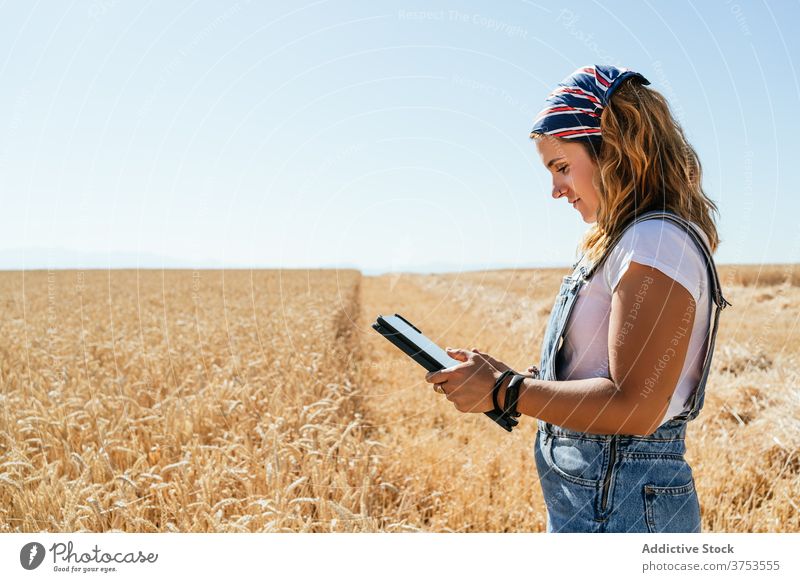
[[302, 134]]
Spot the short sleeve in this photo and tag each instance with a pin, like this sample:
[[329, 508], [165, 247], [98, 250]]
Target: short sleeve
[[663, 245]]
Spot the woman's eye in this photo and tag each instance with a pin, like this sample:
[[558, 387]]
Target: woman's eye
[[563, 169]]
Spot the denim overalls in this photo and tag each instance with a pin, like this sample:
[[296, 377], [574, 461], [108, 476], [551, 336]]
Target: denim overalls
[[619, 483]]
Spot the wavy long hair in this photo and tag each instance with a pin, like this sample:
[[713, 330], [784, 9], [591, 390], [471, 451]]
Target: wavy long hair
[[644, 162]]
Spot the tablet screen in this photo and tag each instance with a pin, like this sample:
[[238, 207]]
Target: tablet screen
[[421, 341]]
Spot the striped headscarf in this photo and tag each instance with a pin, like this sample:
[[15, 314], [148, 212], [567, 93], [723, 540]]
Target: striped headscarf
[[572, 110]]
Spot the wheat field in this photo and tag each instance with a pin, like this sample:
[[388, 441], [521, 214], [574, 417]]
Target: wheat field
[[240, 401]]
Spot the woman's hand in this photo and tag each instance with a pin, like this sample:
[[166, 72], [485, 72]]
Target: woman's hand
[[469, 385]]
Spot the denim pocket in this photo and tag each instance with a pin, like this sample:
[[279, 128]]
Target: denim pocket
[[577, 460], [672, 509]]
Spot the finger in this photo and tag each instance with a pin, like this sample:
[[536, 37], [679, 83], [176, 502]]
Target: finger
[[495, 363], [448, 374], [432, 377], [458, 354], [438, 377], [448, 392]]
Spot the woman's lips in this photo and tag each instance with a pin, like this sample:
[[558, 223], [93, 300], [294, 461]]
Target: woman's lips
[[574, 203]]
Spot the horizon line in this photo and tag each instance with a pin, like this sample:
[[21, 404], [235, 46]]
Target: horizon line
[[368, 271]]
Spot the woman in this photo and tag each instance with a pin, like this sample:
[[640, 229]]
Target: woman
[[628, 345]]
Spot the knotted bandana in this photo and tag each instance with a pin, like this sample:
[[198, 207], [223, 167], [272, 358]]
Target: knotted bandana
[[572, 110]]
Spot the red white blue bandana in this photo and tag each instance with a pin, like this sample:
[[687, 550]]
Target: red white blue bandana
[[572, 110]]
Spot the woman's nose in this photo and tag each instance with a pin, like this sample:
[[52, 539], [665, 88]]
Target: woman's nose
[[558, 191]]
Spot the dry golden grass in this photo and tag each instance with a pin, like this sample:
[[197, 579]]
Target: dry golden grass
[[182, 401], [239, 401]]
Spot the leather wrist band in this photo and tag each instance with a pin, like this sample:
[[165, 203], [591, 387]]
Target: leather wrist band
[[512, 396], [496, 389]]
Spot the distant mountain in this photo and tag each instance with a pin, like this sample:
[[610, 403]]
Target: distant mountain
[[50, 258], [59, 258]]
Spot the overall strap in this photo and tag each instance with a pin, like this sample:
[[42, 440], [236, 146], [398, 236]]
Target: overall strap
[[694, 232], [715, 292], [594, 266]]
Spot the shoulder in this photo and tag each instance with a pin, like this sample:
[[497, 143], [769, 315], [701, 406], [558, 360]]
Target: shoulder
[[661, 244]]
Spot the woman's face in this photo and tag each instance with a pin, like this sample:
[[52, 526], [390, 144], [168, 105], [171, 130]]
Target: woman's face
[[572, 169]]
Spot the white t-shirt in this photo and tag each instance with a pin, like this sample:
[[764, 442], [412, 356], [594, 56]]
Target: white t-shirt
[[657, 243]]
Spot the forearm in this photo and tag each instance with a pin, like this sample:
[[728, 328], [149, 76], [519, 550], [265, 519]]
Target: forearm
[[593, 405]]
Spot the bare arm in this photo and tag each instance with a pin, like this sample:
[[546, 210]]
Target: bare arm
[[649, 330]]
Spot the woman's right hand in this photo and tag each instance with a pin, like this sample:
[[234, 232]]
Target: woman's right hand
[[533, 370]]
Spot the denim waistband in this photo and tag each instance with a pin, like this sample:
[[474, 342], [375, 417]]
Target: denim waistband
[[669, 439]]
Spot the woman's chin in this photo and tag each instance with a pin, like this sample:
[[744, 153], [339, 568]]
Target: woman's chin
[[587, 217]]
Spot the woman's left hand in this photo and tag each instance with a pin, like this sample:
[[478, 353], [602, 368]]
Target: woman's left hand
[[469, 384]]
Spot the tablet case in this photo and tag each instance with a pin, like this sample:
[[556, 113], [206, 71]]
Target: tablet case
[[426, 361]]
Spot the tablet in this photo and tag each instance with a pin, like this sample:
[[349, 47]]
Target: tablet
[[402, 333]]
